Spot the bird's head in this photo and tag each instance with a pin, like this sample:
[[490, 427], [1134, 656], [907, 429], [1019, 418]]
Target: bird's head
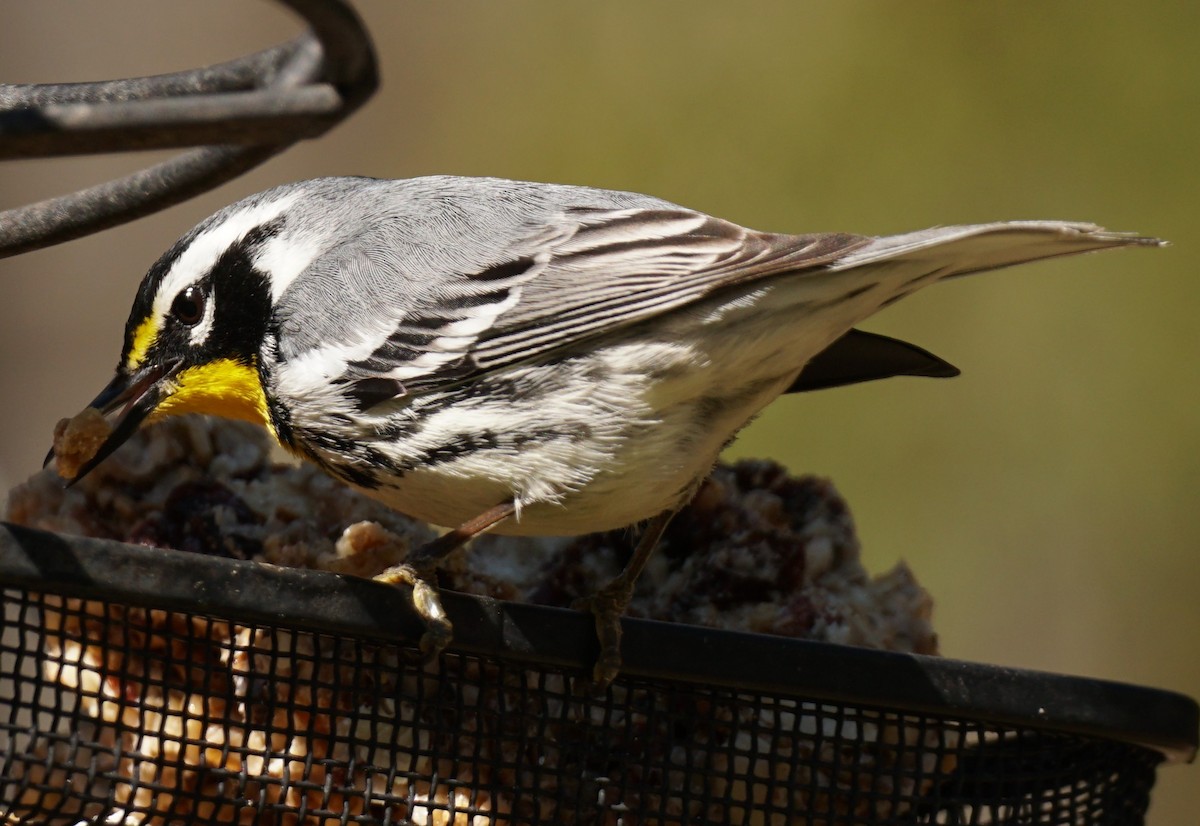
[[195, 333]]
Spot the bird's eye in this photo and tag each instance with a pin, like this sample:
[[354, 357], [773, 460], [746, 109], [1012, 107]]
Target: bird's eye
[[188, 306]]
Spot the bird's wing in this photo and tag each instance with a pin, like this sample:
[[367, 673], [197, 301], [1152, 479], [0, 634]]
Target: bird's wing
[[623, 266], [592, 272]]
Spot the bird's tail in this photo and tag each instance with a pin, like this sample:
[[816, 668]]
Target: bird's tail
[[959, 250], [883, 270]]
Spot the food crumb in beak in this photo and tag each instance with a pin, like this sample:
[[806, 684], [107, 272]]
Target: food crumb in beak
[[77, 439]]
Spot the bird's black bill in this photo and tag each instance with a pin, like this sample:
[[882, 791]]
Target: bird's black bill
[[126, 401], [860, 356]]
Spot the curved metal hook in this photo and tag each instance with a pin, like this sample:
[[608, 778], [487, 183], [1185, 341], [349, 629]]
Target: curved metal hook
[[249, 109]]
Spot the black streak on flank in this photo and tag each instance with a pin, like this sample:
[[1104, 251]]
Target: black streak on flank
[[314, 444], [462, 445], [355, 476]]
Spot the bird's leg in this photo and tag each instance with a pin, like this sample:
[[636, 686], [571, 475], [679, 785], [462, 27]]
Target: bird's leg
[[420, 570], [609, 603]]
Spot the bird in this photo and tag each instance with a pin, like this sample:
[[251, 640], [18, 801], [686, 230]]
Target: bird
[[523, 358]]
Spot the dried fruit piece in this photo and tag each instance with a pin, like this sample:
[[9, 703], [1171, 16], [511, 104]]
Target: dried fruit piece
[[77, 439]]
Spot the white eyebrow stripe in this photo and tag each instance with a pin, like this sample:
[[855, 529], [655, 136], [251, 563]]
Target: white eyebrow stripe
[[207, 247]]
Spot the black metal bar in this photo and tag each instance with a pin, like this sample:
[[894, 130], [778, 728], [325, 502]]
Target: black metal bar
[[538, 636], [255, 117], [235, 75], [254, 107], [349, 58], [67, 217]]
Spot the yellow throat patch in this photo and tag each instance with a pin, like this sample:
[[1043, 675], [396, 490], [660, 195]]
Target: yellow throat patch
[[222, 387]]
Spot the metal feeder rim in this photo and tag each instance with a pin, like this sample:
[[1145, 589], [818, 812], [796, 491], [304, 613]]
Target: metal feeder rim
[[540, 636]]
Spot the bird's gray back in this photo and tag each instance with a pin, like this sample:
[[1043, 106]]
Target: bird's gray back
[[388, 245]]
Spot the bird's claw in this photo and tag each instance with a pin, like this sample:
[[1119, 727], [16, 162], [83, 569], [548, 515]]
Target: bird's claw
[[438, 629], [606, 606]]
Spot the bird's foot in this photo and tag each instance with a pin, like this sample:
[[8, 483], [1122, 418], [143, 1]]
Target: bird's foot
[[607, 606], [438, 629]]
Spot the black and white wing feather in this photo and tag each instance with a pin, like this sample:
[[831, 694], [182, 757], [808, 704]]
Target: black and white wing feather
[[454, 278], [621, 267], [595, 271]]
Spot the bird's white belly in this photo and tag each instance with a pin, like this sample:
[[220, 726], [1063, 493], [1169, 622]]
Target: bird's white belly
[[618, 434], [643, 443], [649, 418], [649, 460]]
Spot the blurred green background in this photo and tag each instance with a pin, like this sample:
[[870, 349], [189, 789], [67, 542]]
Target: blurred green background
[[1047, 498]]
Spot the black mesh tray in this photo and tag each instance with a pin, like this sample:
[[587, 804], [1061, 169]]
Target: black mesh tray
[[265, 695]]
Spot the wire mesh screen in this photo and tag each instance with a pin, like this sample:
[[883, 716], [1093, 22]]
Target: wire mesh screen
[[120, 714]]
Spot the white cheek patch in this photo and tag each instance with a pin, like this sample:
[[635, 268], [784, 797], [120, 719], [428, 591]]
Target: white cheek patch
[[285, 259], [207, 247]]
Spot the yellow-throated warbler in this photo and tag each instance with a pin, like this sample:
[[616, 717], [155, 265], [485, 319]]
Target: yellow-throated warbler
[[520, 357]]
